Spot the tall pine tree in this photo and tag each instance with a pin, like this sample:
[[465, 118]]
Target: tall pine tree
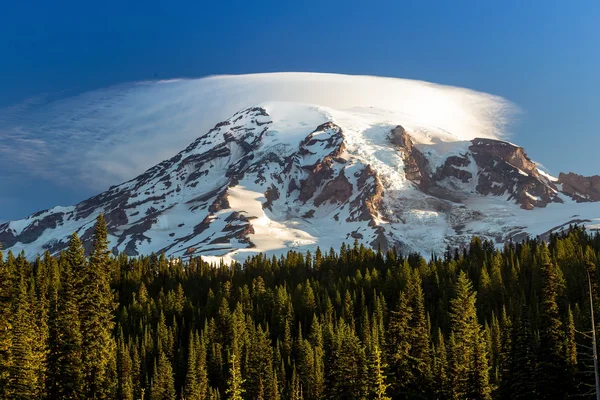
[[96, 315]]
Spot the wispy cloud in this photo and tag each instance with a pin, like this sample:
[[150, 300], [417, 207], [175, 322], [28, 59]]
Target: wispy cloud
[[103, 137]]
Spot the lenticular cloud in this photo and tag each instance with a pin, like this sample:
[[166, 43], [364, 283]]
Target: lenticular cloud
[[106, 136]]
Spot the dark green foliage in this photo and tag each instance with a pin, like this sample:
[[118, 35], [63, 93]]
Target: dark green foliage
[[96, 316], [65, 373], [7, 298], [477, 324], [552, 362]]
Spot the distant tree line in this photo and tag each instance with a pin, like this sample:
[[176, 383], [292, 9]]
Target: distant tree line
[[477, 323]]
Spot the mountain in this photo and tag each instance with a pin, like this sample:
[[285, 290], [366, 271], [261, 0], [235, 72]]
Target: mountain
[[283, 175]]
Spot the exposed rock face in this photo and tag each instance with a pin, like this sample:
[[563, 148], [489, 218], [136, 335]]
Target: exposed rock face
[[337, 190], [505, 168], [580, 188], [326, 140], [416, 165], [28, 235], [455, 167], [507, 152], [502, 169], [366, 205]]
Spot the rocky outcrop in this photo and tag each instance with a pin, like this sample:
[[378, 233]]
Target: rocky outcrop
[[455, 167], [271, 194], [327, 137], [580, 188], [316, 156], [337, 190], [505, 169], [502, 169], [416, 166], [509, 153], [366, 205]]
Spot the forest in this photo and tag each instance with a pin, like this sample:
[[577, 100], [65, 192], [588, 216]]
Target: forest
[[348, 323]]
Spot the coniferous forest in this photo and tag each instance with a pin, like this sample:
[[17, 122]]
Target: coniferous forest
[[350, 323]]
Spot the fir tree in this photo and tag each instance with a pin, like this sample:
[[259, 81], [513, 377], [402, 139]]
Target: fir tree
[[96, 317], [379, 385], [441, 367], [7, 293], [192, 380], [67, 379], [235, 390], [163, 385], [24, 382], [552, 366], [522, 373], [125, 371], [470, 364]]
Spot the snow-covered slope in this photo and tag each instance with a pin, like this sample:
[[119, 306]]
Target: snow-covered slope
[[281, 175]]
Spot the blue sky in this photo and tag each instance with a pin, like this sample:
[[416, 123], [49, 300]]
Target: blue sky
[[541, 55]]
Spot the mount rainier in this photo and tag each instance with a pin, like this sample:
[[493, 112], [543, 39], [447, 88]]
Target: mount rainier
[[282, 175]]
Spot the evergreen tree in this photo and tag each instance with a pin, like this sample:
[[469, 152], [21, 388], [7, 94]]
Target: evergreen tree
[[96, 315], [192, 380], [24, 382], [66, 374], [196, 381], [441, 367], [235, 390], [348, 366], [522, 373], [379, 385], [163, 385], [552, 366], [7, 293], [364, 311], [571, 351], [125, 371], [469, 361]]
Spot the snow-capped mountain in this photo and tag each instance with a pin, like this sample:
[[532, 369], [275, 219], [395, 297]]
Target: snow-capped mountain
[[282, 175]]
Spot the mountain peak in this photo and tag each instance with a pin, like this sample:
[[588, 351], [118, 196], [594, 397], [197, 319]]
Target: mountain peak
[[282, 175]]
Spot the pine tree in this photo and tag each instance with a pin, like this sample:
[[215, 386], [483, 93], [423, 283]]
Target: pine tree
[[7, 293], [379, 385], [306, 365], [420, 341], [316, 339], [163, 385], [522, 373], [552, 364], [124, 370], [66, 374], [24, 381], [470, 364], [235, 382], [348, 365], [196, 381], [96, 315], [505, 364], [260, 365], [571, 350], [296, 387], [441, 367], [398, 347], [275, 393], [192, 381]]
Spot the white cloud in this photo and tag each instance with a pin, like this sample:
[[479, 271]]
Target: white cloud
[[106, 136]]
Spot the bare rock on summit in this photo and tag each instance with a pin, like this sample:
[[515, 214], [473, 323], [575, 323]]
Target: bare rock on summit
[[506, 169], [580, 188]]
